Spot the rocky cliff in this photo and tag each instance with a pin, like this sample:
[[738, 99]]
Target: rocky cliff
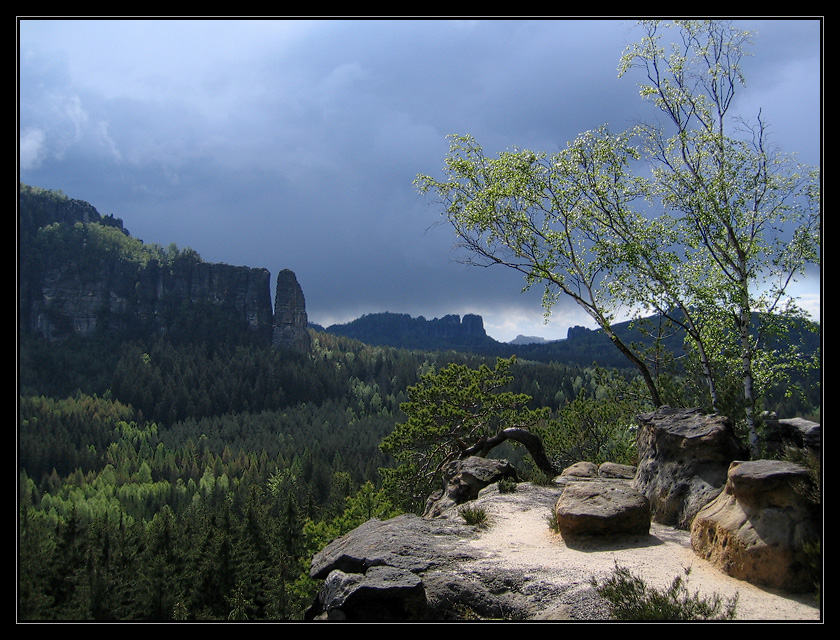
[[290, 320], [80, 273], [403, 331], [72, 298]]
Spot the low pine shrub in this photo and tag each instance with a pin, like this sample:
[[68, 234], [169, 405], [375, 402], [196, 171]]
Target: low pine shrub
[[507, 485], [475, 516], [630, 598]]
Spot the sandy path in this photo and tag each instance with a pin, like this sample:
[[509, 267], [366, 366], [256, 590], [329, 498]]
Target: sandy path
[[520, 538]]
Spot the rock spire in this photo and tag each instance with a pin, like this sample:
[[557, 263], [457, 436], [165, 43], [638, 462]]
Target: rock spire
[[290, 321]]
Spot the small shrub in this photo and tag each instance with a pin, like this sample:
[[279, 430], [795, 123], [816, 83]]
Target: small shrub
[[551, 518], [475, 516], [630, 598], [814, 559], [506, 485]]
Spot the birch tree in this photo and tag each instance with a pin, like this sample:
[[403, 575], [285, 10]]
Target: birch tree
[[699, 220], [544, 216], [748, 217]]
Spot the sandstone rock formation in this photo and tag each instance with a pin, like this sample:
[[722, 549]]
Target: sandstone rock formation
[[69, 298], [381, 593], [464, 479], [790, 432], [602, 507], [614, 470], [290, 320], [93, 277], [406, 542], [383, 570], [757, 529], [581, 470], [372, 563], [684, 456], [604, 470]]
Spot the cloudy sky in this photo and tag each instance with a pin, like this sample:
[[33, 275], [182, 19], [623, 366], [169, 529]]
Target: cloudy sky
[[293, 144]]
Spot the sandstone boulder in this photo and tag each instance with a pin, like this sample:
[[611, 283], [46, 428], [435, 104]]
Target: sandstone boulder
[[464, 479], [757, 529], [604, 470], [614, 470], [406, 542], [581, 470], [381, 593], [790, 432], [684, 456], [602, 507]]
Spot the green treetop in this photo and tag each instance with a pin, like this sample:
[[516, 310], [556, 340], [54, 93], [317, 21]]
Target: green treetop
[[457, 413]]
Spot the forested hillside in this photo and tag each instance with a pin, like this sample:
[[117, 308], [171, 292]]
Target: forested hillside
[[196, 483], [192, 475]]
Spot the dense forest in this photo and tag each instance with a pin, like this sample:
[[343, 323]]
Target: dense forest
[[191, 476], [197, 482]]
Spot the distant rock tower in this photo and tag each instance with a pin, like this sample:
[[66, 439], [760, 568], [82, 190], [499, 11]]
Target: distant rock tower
[[290, 322]]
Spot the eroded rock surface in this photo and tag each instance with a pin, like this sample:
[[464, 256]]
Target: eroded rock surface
[[459, 579], [684, 456], [603, 507], [757, 529]]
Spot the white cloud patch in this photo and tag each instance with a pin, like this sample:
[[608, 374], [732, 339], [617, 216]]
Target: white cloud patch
[[31, 148]]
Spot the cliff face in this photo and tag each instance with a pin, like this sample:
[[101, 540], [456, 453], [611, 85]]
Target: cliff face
[[81, 273], [290, 320], [73, 299]]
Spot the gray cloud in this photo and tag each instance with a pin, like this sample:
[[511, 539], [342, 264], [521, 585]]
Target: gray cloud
[[282, 143]]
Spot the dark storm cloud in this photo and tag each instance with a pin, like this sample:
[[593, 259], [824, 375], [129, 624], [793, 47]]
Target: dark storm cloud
[[282, 143]]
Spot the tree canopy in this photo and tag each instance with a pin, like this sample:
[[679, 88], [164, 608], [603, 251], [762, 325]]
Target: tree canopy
[[700, 220], [453, 414]]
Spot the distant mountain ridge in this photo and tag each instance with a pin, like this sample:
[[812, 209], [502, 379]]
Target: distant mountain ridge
[[520, 339], [81, 272], [450, 332], [582, 346]]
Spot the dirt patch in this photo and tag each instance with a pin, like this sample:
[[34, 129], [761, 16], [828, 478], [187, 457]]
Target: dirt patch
[[518, 537]]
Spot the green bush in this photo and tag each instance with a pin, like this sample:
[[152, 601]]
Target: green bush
[[538, 478], [811, 494], [630, 598], [551, 518], [506, 485], [473, 515], [600, 428]]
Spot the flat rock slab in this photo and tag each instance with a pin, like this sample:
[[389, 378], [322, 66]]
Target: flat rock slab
[[406, 542], [602, 508], [768, 483]]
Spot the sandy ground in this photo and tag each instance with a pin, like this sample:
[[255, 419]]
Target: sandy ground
[[520, 538]]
